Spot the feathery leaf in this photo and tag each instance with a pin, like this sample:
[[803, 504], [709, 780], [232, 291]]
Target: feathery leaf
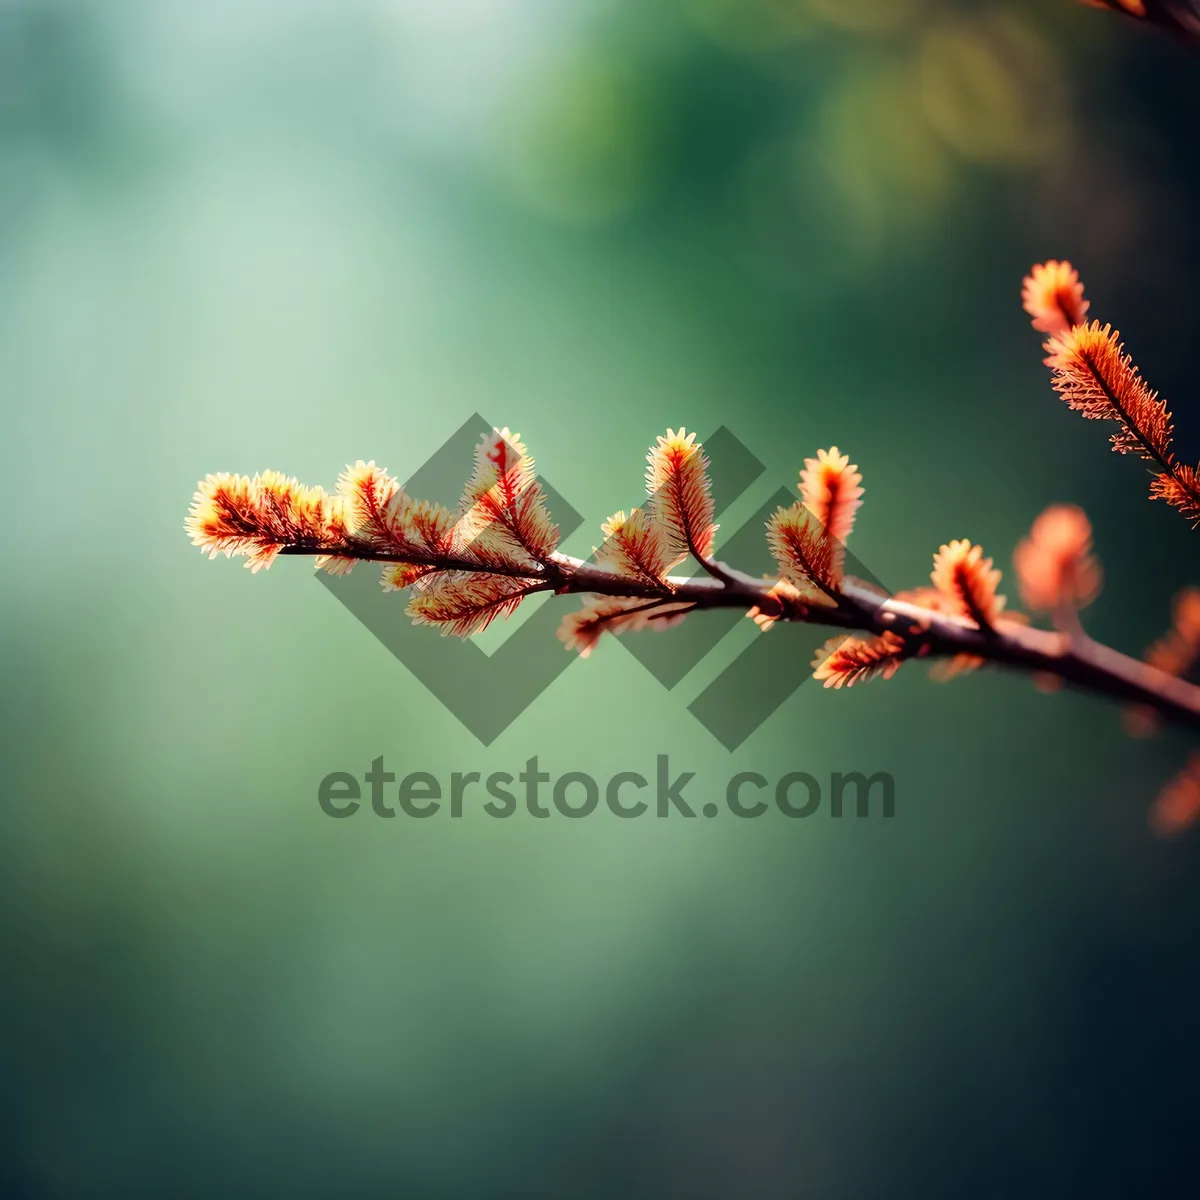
[[635, 546], [376, 513], [581, 631], [804, 551], [461, 604], [259, 517], [1053, 296], [1176, 652], [1054, 564], [830, 487], [1095, 377], [967, 583], [369, 494], [1178, 804], [503, 514], [680, 494], [844, 661], [1180, 489]]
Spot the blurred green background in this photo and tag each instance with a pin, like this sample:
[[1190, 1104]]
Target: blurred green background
[[240, 235]]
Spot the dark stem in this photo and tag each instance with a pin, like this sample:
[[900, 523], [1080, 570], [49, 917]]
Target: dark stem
[[1081, 663]]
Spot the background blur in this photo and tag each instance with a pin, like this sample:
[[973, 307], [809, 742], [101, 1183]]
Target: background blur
[[239, 235]]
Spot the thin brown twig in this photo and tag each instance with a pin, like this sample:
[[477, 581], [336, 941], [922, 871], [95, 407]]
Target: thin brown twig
[[1083, 664]]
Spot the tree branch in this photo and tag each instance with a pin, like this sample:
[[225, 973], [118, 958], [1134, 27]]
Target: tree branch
[[1082, 664]]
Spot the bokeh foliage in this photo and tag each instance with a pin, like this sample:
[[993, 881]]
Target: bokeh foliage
[[242, 235]]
